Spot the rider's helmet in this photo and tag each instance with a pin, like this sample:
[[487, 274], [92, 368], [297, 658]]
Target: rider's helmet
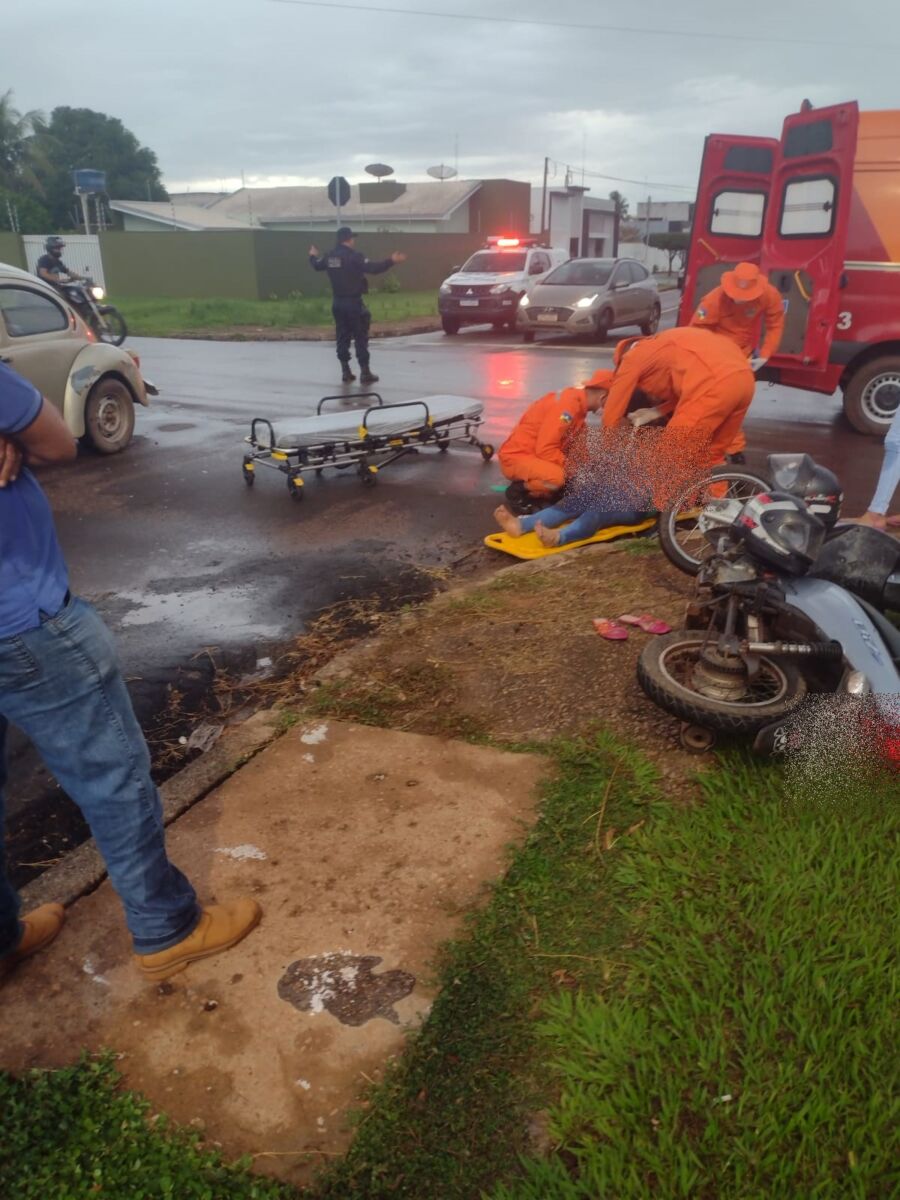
[[54, 245], [779, 529], [817, 487]]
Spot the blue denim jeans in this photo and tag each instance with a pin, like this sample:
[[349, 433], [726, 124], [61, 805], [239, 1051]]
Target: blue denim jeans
[[889, 479], [61, 684], [584, 525]]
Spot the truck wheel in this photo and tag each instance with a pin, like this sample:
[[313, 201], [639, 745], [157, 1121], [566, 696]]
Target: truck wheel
[[872, 395], [109, 416], [451, 325]]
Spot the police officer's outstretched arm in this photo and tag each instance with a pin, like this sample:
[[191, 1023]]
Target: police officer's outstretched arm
[[382, 265], [317, 261]]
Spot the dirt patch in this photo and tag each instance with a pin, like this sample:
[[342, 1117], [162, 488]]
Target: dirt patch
[[305, 333], [516, 658]]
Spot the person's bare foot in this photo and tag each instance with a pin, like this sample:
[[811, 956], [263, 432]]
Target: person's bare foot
[[874, 520], [548, 537], [507, 521]]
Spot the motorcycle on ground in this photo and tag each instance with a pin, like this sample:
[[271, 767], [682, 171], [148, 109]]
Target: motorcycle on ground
[[780, 615], [105, 320]]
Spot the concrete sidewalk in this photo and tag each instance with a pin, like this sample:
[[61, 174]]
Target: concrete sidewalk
[[365, 848]]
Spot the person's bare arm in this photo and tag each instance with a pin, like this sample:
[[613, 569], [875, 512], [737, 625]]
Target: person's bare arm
[[10, 461], [47, 439]]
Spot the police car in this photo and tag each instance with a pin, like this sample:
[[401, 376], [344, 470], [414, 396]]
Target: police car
[[487, 289]]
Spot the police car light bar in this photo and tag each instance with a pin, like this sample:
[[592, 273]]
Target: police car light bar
[[509, 243]]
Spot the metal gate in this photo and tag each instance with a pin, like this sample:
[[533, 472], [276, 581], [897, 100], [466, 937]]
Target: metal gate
[[82, 253]]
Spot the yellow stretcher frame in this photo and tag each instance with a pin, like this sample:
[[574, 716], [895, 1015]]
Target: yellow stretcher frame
[[529, 546]]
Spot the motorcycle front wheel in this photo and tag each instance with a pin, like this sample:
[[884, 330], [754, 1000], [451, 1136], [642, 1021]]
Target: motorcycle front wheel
[[667, 671], [111, 327], [679, 533]]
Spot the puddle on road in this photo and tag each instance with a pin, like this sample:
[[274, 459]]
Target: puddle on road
[[344, 985], [197, 612]]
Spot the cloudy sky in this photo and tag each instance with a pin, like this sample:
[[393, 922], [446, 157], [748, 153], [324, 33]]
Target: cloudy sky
[[288, 93]]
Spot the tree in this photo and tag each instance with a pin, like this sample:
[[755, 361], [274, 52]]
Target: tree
[[630, 231], [21, 212], [81, 137], [621, 205], [17, 162], [674, 244]]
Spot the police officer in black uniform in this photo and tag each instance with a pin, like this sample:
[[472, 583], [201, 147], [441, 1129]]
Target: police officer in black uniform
[[347, 270]]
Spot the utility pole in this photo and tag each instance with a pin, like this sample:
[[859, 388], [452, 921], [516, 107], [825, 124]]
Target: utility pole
[[85, 213], [648, 226], [544, 197]]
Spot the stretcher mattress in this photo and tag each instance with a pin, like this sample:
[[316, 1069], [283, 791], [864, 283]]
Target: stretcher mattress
[[343, 426]]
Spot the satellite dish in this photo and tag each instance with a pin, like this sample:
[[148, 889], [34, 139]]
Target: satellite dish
[[442, 172], [379, 170]]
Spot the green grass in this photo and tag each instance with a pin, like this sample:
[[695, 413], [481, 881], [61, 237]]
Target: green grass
[[747, 1046], [638, 963], [74, 1133], [161, 317]]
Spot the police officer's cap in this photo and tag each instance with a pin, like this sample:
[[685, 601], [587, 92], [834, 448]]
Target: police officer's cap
[[345, 233]]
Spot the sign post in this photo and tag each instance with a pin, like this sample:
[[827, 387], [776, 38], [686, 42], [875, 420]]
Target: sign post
[[339, 194]]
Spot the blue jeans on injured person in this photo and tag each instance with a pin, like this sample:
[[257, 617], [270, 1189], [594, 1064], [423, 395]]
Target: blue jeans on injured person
[[889, 479], [61, 685], [585, 525]]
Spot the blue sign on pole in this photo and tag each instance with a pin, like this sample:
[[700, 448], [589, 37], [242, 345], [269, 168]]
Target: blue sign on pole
[[87, 181]]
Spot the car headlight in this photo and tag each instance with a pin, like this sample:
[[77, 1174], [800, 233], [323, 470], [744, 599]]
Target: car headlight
[[98, 293], [524, 302], [445, 289], [586, 301], [499, 288]]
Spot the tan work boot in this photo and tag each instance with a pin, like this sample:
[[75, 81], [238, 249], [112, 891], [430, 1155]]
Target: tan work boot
[[41, 927], [221, 926]]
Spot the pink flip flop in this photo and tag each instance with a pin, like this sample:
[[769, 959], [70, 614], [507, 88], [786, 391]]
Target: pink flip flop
[[611, 630], [647, 622]]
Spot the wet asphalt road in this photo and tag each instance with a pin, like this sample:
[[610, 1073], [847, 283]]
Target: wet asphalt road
[[180, 556]]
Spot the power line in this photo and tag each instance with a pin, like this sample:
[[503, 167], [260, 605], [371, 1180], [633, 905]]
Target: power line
[[692, 34], [678, 187]]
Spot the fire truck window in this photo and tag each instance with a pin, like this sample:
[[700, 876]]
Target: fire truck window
[[738, 214], [813, 138], [808, 208], [752, 159]]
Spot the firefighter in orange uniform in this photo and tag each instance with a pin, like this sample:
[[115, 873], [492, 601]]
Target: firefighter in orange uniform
[[737, 309], [705, 382], [535, 452]]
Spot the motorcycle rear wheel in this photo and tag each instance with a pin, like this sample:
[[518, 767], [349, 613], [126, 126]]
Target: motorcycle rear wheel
[[680, 538], [111, 328], [665, 669]]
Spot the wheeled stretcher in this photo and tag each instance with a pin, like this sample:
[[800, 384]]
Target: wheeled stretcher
[[368, 439]]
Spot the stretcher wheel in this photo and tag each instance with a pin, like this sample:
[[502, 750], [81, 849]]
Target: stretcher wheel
[[443, 444], [295, 488], [368, 474], [487, 451], [249, 473]]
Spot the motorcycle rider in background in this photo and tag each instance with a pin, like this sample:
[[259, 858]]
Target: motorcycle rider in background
[[50, 266]]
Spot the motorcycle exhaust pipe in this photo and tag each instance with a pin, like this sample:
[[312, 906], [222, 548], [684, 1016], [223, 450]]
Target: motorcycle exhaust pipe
[[832, 650]]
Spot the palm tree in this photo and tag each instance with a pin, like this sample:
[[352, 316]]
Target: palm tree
[[621, 204], [20, 159]]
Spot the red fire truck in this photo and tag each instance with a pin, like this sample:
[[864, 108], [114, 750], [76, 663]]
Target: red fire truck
[[819, 211]]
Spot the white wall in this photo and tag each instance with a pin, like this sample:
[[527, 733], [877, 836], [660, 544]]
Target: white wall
[[650, 256]]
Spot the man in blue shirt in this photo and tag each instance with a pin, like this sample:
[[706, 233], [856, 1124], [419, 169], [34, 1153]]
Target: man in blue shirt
[[61, 685]]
